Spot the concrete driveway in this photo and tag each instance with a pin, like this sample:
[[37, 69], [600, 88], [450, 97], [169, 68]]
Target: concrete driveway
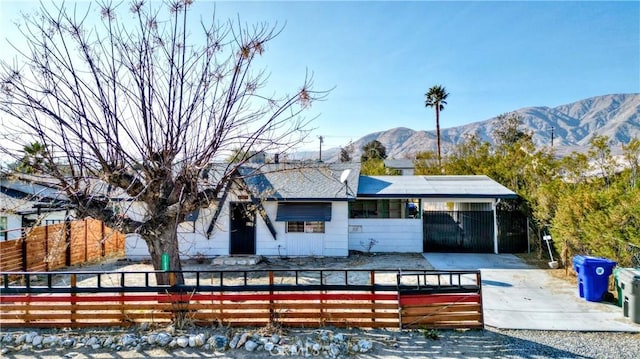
[[519, 296]]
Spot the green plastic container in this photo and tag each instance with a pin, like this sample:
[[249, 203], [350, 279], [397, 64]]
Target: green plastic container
[[618, 289], [165, 262]]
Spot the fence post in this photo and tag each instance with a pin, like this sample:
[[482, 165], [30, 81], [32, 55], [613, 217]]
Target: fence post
[[86, 241], [67, 239], [47, 257], [103, 239], [372, 275], [73, 297], [272, 318], [24, 253], [398, 278]]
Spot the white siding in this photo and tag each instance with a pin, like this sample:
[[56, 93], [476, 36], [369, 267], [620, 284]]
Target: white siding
[[135, 247], [14, 226], [389, 234], [332, 243]]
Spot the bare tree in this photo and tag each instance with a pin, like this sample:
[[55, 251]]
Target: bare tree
[[144, 105]]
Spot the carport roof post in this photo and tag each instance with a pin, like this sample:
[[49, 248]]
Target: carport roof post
[[494, 205]]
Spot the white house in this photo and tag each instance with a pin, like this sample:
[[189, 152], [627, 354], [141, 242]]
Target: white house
[[426, 213], [28, 200], [329, 209]]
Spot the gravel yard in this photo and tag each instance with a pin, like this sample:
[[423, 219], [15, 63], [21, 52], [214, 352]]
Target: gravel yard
[[386, 344]]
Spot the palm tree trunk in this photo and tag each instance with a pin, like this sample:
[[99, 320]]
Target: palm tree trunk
[[438, 134]]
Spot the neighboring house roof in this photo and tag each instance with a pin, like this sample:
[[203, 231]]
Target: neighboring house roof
[[19, 187], [303, 182], [432, 187], [399, 164], [10, 204], [26, 195]]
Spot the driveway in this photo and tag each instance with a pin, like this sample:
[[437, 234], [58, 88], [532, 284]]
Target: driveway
[[519, 296]]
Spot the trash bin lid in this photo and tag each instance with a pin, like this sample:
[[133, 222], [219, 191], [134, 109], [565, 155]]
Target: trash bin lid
[[590, 260], [629, 275]]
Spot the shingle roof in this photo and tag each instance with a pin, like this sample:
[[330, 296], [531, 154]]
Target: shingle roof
[[432, 186], [302, 181]]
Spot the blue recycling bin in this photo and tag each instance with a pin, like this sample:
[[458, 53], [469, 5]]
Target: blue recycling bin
[[593, 276]]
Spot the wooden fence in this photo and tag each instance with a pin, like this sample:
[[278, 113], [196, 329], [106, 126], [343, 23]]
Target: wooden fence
[[291, 298], [56, 246]]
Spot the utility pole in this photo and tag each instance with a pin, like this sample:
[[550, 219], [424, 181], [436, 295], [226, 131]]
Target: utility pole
[[320, 156], [552, 128]]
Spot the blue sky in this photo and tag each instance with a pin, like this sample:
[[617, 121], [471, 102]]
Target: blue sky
[[381, 57]]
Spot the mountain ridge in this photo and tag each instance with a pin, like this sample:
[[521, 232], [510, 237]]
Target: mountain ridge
[[574, 124]]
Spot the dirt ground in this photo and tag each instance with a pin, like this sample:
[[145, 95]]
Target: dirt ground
[[333, 270]]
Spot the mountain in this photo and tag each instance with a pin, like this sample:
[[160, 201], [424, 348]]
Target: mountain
[[616, 116]]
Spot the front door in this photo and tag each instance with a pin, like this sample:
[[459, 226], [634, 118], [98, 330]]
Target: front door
[[242, 228]]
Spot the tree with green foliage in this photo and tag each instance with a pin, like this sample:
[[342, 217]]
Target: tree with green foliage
[[373, 150], [436, 97], [33, 159]]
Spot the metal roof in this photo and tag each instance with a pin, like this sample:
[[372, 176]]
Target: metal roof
[[432, 187], [402, 164], [298, 182]]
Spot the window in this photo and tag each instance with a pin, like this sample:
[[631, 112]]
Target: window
[[3, 228], [305, 227], [385, 208]]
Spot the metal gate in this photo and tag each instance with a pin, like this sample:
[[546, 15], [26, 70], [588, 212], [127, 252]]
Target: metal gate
[[458, 231]]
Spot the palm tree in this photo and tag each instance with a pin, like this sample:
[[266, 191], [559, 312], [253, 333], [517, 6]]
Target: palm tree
[[436, 97], [33, 158]]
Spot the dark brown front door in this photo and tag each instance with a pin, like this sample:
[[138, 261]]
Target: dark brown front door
[[242, 228]]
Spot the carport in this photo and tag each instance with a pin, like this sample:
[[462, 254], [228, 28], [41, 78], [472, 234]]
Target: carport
[[457, 213], [519, 296]]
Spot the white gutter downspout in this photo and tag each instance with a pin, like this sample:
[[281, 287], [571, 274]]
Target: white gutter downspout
[[495, 226]]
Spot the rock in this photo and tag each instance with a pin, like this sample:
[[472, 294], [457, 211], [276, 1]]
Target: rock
[[4, 351], [199, 340], [21, 339], [334, 350], [92, 341], [339, 338], [96, 346], [250, 345], [182, 342], [173, 343], [138, 348], [144, 326], [163, 339], [108, 342], [220, 342], [8, 338], [50, 340], [293, 350], [37, 340], [71, 354], [234, 341], [268, 346], [192, 341], [243, 339], [128, 340], [68, 342], [275, 339], [151, 339], [364, 345], [30, 336]]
